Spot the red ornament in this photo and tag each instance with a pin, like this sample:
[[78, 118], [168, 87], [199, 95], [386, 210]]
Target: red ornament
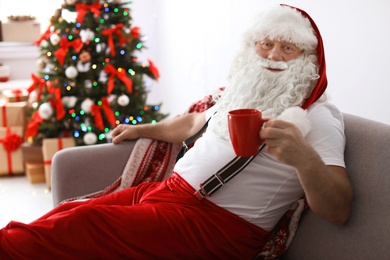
[[135, 32]]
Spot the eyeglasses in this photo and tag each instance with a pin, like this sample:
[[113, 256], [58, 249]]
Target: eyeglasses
[[288, 48]]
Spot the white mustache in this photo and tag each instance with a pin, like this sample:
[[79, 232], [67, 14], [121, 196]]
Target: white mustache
[[269, 64]]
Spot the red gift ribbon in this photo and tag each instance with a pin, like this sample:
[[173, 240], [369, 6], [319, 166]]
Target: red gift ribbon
[[11, 142], [76, 44], [4, 114], [37, 83], [95, 109], [33, 125], [17, 93], [57, 102], [110, 40], [83, 8], [60, 146], [121, 74]]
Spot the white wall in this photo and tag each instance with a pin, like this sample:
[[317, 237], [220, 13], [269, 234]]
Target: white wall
[[193, 42], [42, 9]]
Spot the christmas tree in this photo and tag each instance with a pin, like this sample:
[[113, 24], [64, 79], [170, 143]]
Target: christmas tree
[[89, 77]]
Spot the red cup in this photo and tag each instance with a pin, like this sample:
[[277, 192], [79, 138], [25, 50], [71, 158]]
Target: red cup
[[244, 130]]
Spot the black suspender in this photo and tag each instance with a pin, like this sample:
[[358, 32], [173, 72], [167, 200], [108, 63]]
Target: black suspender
[[223, 175], [191, 139]]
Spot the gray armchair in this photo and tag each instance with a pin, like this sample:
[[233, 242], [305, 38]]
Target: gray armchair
[[82, 170]]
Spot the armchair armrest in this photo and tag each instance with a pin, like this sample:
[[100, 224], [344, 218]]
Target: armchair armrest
[[82, 170]]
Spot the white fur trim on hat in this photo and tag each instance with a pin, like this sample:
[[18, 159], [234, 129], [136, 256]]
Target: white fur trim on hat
[[298, 117], [285, 24]]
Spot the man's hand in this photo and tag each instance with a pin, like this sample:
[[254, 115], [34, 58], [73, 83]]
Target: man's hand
[[327, 188], [285, 141], [174, 130], [124, 132]]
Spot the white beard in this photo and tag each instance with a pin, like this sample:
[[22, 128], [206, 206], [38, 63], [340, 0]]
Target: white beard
[[253, 86]]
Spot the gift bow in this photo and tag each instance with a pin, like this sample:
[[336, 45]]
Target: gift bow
[[17, 93], [120, 74], [110, 40], [83, 8], [33, 125], [107, 111], [11, 142], [57, 102], [37, 82], [76, 44]]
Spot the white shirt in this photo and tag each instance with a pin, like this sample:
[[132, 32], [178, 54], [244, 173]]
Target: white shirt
[[266, 188]]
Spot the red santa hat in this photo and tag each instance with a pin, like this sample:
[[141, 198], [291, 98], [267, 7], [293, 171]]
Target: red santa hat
[[287, 23]]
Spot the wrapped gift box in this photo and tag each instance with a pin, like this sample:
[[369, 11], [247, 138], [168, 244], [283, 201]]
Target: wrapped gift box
[[21, 31], [12, 114], [35, 172], [15, 95], [49, 147], [11, 156], [32, 153]]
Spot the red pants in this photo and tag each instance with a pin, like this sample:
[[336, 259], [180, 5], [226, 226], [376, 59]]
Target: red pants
[[150, 221]]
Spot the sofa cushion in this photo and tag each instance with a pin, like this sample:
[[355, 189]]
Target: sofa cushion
[[366, 235]]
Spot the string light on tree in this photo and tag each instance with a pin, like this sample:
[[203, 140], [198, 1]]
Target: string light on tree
[[90, 78]]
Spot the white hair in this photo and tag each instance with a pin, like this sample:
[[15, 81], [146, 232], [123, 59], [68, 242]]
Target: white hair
[[251, 85]]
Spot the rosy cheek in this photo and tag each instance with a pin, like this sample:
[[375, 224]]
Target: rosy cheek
[[262, 53]]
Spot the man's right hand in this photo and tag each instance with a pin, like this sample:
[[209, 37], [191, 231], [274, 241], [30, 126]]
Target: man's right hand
[[124, 132]]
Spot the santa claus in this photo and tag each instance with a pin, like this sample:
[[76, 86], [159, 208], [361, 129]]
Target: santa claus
[[280, 66]]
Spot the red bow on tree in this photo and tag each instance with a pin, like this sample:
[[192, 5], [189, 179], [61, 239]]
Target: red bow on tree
[[121, 74], [153, 69], [98, 115], [44, 36], [83, 8], [33, 125], [76, 44], [57, 102], [110, 40], [108, 112], [37, 83]]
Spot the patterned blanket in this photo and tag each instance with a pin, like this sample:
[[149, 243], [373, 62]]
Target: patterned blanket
[[153, 160]]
